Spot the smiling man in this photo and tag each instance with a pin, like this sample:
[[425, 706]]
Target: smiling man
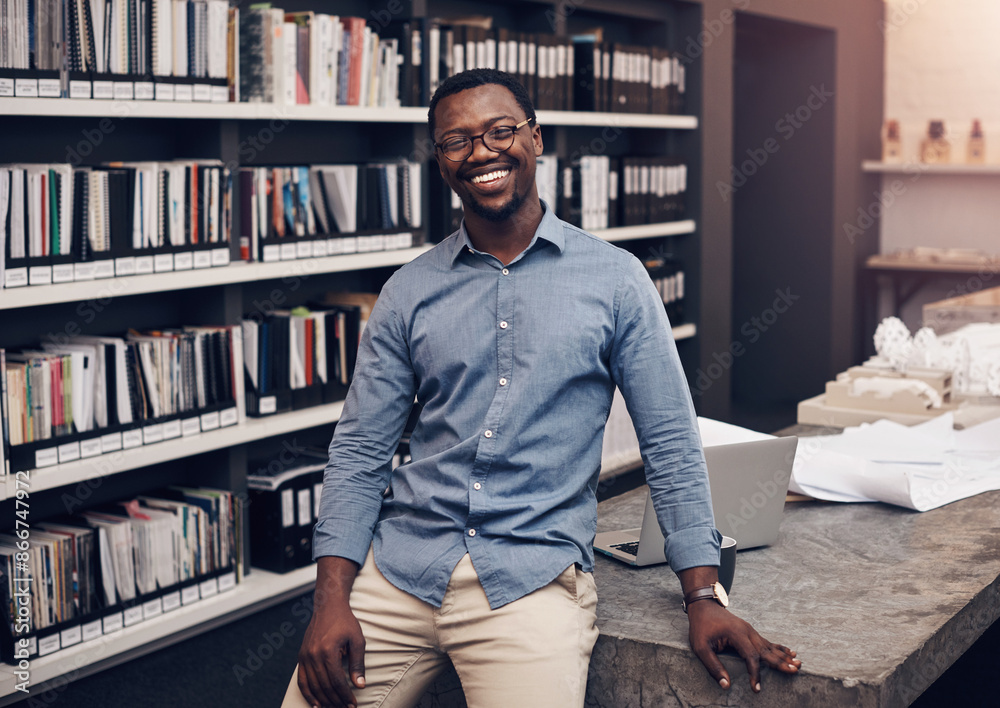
[[512, 335]]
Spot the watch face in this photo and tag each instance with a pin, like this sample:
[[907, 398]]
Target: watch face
[[720, 595]]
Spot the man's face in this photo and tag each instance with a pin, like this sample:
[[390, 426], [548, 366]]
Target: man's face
[[492, 184]]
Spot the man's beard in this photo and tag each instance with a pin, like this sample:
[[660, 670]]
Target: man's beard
[[500, 214]]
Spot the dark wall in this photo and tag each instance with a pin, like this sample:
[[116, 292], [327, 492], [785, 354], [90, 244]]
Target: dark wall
[[834, 322], [781, 193]]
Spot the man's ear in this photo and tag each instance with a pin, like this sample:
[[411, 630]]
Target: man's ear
[[536, 137]]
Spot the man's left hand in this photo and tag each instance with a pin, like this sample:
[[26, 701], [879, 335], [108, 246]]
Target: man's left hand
[[714, 628]]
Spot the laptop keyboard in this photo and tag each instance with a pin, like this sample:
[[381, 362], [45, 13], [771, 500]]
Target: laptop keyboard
[[631, 547]]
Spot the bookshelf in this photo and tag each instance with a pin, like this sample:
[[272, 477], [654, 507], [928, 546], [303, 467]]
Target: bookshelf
[[41, 130], [918, 168]]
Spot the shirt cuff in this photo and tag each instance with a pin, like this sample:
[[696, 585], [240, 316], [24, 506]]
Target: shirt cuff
[[692, 547], [343, 538]]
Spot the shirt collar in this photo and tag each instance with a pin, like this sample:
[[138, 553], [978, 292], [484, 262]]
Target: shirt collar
[[550, 229]]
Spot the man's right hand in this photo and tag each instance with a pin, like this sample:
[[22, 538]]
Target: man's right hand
[[332, 640]]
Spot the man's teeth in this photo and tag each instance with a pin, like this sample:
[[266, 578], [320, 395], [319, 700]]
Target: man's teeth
[[490, 177]]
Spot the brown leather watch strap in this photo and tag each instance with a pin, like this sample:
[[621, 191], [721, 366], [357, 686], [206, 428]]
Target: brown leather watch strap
[[703, 593]]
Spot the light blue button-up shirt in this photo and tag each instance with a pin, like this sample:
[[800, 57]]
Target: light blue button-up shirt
[[515, 368]]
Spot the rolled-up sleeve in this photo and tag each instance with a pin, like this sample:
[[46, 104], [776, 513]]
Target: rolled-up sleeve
[[375, 411], [647, 369]]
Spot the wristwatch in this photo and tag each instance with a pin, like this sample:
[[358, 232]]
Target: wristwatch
[[715, 591]]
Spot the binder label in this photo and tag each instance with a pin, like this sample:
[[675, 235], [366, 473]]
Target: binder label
[[143, 265], [123, 90], [164, 92], [15, 277], [144, 91], [184, 261], [113, 622], [183, 92], [111, 442], [152, 608], [208, 588], [190, 426], [90, 448], [69, 452], [104, 89], [40, 275], [202, 92], [377, 242], [84, 271], [267, 405], [228, 417], [319, 248], [364, 244], [131, 438], [125, 266], [133, 615], [71, 636], [49, 644], [91, 630], [47, 457], [79, 89], [271, 253], [287, 508], [349, 244], [209, 421], [32, 646], [303, 249], [163, 262], [48, 88], [28, 88], [288, 251], [227, 581], [305, 509], [317, 493], [6, 88], [171, 601], [152, 433], [190, 594], [62, 273], [172, 429], [220, 94], [220, 256], [334, 246], [202, 259], [104, 269]]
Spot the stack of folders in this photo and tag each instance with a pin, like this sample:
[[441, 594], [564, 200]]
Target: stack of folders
[[293, 58], [121, 49], [284, 505], [106, 568], [668, 277], [60, 223], [302, 357], [626, 78], [328, 210], [84, 396]]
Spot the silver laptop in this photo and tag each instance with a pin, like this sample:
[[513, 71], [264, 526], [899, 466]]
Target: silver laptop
[[749, 482]]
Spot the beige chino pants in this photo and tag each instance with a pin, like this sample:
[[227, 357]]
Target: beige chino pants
[[531, 653]]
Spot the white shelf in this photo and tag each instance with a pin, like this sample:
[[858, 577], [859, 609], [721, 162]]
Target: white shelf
[[86, 108], [685, 331], [259, 589], [913, 169], [236, 272], [669, 228], [178, 448]]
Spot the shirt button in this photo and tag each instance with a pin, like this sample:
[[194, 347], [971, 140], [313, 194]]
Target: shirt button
[[471, 251], [503, 325], [477, 486], [472, 532], [505, 271], [503, 382], [488, 433]]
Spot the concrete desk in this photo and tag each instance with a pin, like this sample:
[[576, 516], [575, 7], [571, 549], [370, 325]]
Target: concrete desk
[[877, 601]]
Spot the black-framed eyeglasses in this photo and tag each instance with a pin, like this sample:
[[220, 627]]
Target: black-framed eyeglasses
[[499, 139]]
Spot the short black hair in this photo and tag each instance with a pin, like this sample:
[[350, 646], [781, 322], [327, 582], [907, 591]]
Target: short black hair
[[480, 77]]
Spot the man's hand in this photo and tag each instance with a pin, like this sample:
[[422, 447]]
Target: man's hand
[[714, 628], [332, 639]]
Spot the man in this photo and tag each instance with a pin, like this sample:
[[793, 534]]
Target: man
[[512, 335]]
